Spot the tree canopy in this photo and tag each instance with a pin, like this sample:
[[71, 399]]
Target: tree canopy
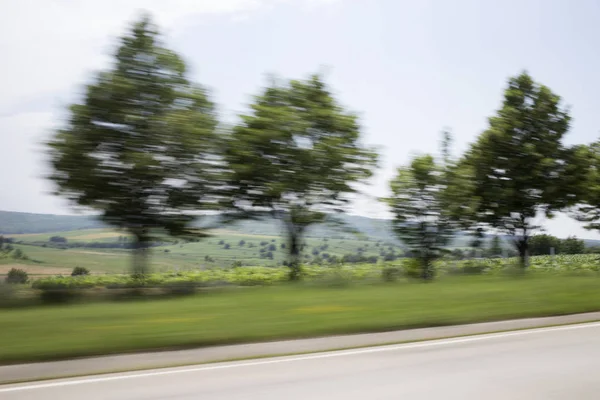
[[421, 218], [520, 167], [140, 146], [297, 157]]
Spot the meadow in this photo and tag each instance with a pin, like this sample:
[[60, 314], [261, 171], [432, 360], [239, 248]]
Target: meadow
[[244, 248]]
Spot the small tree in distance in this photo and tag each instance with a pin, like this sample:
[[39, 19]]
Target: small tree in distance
[[420, 218]]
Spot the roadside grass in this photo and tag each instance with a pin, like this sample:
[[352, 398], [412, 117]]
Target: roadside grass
[[284, 312]]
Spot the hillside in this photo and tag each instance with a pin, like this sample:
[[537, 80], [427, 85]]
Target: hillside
[[20, 223], [379, 229]]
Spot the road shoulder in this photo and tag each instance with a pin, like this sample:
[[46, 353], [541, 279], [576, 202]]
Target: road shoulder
[[152, 360]]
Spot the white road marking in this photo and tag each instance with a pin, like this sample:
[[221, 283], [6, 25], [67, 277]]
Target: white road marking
[[339, 353]]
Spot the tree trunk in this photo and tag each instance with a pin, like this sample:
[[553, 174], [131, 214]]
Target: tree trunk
[[426, 268], [140, 267], [294, 261], [523, 248]]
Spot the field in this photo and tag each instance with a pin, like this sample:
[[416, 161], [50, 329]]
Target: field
[[256, 314], [182, 255]]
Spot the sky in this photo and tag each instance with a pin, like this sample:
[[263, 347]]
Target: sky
[[408, 68]]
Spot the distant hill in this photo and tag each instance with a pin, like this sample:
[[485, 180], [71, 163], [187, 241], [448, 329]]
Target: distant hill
[[17, 223], [378, 229]]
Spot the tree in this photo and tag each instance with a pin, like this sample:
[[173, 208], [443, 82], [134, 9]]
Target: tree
[[588, 210], [541, 244], [296, 157], [520, 168], [495, 246], [241, 243], [572, 245], [418, 206], [140, 146]]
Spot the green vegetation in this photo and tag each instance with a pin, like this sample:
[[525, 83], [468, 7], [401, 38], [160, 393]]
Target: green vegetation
[[141, 127], [519, 167], [296, 157], [283, 312], [421, 219]]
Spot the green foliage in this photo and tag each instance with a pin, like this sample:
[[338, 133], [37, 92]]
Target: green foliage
[[58, 239], [391, 274], [588, 209], [141, 127], [80, 271], [572, 245], [296, 156], [419, 209], [495, 248], [520, 166], [541, 244], [17, 276]]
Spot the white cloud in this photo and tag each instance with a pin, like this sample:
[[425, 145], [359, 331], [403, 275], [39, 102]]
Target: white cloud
[[49, 45]]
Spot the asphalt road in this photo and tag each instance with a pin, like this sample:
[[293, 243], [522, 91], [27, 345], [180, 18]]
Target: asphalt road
[[546, 363]]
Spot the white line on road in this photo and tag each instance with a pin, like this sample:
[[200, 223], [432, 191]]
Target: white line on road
[[339, 353]]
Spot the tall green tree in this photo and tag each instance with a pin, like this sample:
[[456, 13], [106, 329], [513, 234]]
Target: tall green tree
[[520, 167], [297, 157], [421, 216], [140, 146], [588, 209]]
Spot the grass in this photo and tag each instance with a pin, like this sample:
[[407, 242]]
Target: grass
[[258, 314]]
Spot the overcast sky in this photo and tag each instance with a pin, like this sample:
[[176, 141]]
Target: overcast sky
[[409, 68]]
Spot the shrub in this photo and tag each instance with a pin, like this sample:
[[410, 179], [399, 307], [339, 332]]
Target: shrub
[[17, 276], [80, 271], [221, 242], [227, 246], [471, 268], [413, 268], [18, 254], [391, 274]]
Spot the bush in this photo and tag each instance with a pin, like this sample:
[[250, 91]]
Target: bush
[[391, 274], [471, 268], [412, 268], [79, 271], [18, 254], [227, 246], [17, 276]]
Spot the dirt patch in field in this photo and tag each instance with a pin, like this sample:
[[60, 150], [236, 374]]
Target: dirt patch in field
[[35, 269]]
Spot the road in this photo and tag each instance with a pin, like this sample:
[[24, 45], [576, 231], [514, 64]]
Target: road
[[546, 363]]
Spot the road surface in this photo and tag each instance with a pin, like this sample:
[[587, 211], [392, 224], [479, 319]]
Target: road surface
[[546, 363]]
